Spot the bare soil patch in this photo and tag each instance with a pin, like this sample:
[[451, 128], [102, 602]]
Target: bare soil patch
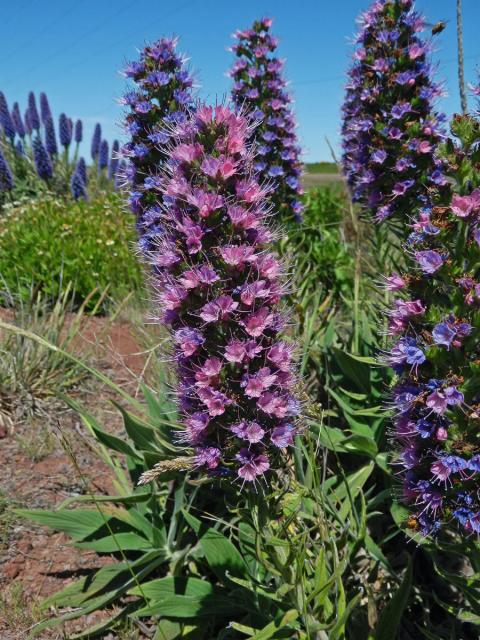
[[37, 472]]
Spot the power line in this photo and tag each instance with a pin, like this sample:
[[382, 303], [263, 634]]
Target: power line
[[80, 38], [45, 29], [128, 35], [15, 16]]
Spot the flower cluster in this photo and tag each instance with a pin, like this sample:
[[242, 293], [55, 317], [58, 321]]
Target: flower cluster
[[390, 128], [219, 289], [33, 149], [162, 94], [259, 86], [436, 350]]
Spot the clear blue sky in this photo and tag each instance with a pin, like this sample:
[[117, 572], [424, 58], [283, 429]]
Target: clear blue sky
[[72, 49]]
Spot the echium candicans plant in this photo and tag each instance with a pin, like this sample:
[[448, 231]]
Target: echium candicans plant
[[219, 288], [259, 86], [162, 93], [6, 177], [7, 126], [435, 325], [390, 127], [96, 140]]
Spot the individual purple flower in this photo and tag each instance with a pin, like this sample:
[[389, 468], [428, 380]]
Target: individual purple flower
[[34, 118], [218, 289], [429, 261], [390, 129], [103, 155], [42, 161], [6, 176], [64, 130], [17, 120], [162, 95], [96, 141], [45, 111], [78, 136], [6, 122], [50, 137], [259, 86]]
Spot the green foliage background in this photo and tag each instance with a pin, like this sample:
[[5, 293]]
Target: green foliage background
[[51, 243], [321, 555]]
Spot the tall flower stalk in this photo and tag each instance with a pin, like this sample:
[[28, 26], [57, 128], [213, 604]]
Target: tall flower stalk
[[6, 177], [436, 350], [390, 127], [163, 91], [260, 87], [218, 290]]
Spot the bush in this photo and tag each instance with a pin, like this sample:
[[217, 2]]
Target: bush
[[50, 243]]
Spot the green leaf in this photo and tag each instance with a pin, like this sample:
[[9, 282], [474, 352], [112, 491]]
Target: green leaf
[[106, 625], [139, 432], [391, 615], [176, 606], [114, 443], [469, 616], [355, 368], [111, 544], [270, 631], [222, 556], [77, 523], [173, 585]]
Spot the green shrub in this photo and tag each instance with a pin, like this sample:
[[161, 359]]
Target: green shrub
[[51, 242]]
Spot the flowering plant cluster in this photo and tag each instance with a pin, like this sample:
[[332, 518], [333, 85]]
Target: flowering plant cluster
[[32, 142], [435, 323], [219, 289], [390, 128], [162, 93], [260, 87]]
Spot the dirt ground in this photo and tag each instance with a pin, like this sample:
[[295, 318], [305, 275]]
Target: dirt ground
[[36, 472]]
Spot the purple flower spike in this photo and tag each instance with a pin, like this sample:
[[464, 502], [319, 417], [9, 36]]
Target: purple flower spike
[[81, 170], [43, 164], [259, 86], [219, 289], [6, 122], [103, 155], [77, 186], [96, 140], [6, 177], [32, 112], [78, 131], [162, 94], [390, 128], [27, 122], [64, 130], [45, 111], [17, 120], [50, 137], [435, 354]]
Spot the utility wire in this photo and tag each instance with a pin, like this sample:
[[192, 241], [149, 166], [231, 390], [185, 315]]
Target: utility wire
[[45, 29], [81, 38]]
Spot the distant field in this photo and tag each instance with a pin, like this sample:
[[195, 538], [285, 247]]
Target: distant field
[[321, 167], [318, 173]]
